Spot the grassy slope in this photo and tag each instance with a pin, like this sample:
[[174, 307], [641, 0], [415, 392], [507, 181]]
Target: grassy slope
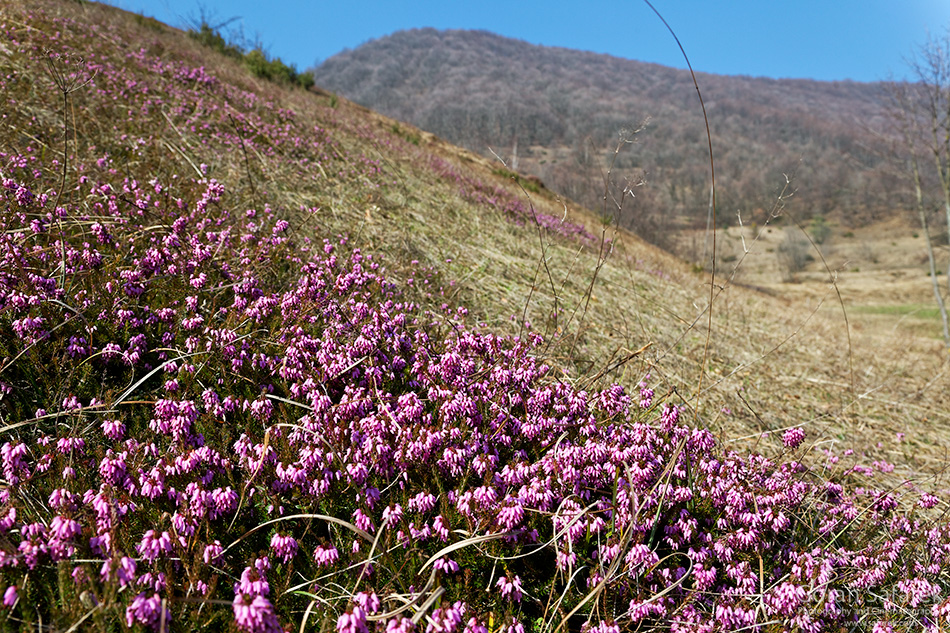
[[410, 210], [160, 107]]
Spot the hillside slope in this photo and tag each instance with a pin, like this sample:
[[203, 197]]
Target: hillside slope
[[269, 359], [331, 168], [557, 114]]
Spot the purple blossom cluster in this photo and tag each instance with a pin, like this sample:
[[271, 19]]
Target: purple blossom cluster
[[514, 208], [260, 405], [209, 416], [138, 90]]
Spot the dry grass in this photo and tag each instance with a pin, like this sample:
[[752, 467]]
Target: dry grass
[[449, 229], [774, 362]]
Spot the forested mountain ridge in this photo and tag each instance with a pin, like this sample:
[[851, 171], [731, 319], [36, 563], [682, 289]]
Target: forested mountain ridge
[[559, 114]]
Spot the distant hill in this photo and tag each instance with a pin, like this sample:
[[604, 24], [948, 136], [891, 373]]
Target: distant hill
[[557, 114]]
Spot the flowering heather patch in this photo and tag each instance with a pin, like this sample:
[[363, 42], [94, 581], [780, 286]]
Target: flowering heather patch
[[513, 207], [188, 435], [210, 421], [142, 94]]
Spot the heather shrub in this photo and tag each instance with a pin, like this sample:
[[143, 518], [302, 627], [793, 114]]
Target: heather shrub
[[195, 437], [211, 418]]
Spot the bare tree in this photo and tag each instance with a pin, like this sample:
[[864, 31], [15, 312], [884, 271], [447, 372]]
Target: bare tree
[[920, 112], [793, 253]]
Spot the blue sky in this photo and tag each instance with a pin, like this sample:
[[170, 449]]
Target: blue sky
[[862, 40]]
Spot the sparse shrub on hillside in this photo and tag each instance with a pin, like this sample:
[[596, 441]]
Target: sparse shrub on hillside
[[413, 137], [210, 37], [305, 80], [257, 63], [276, 70], [150, 23], [793, 253], [819, 229], [530, 184], [255, 60]]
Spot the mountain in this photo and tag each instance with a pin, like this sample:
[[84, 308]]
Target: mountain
[[558, 114]]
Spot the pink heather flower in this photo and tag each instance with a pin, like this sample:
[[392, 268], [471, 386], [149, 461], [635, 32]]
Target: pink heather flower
[[670, 416], [447, 619], [734, 617], [325, 556], [66, 445], [446, 565], [152, 546], [113, 429], [255, 615], [284, 546], [213, 552], [62, 499], [646, 397], [402, 624], [7, 521], [604, 627], [640, 610], [474, 626], [928, 500], [10, 596], [939, 610], [252, 582], [918, 590], [154, 581], [64, 529], [422, 502], [792, 438], [786, 598], [510, 516], [368, 600], [566, 560], [392, 515], [439, 527], [147, 611], [510, 589], [640, 556], [126, 571], [883, 466], [352, 622], [362, 521]]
